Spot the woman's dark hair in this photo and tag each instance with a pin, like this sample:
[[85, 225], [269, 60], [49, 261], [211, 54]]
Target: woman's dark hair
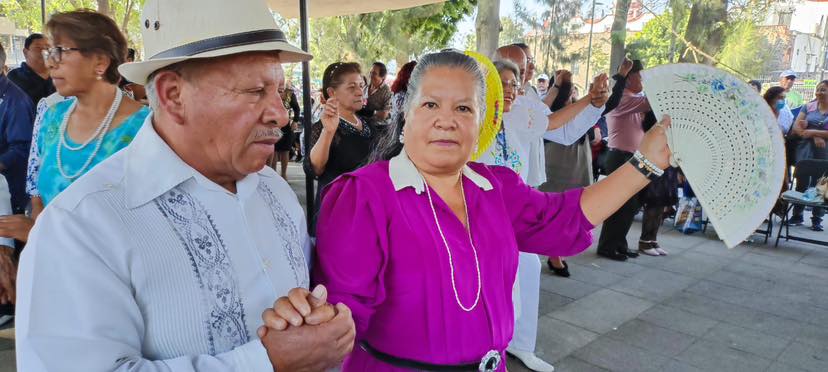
[[333, 75], [772, 94], [383, 71], [756, 84], [564, 96], [401, 82], [93, 33]]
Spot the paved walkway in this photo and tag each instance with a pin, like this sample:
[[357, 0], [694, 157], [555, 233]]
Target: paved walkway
[[702, 308]]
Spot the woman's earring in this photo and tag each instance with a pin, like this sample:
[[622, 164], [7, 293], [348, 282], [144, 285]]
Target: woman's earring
[[402, 137]]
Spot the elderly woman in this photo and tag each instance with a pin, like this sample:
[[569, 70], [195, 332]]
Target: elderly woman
[[424, 247], [812, 126], [78, 133], [342, 140]]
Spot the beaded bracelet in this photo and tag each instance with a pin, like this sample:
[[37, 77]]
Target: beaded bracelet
[[653, 168], [647, 168]]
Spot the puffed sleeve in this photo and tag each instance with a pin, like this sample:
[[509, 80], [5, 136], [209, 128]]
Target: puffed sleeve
[[352, 247], [550, 224]]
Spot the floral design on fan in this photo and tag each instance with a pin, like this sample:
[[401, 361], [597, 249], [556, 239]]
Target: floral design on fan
[[727, 88]]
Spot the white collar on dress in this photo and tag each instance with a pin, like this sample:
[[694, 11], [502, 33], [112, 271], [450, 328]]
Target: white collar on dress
[[153, 168], [404, 174]]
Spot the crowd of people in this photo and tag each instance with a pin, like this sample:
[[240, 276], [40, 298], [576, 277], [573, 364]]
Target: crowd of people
[[153, 218], [803, 125]]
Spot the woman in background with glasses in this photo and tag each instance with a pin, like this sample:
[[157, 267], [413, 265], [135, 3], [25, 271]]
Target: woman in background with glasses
[[78, 133]]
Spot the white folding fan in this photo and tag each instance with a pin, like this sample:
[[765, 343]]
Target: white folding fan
[[726, 141]]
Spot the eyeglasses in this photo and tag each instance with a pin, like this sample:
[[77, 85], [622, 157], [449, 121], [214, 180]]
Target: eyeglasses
[[56, 53], [510, 84]]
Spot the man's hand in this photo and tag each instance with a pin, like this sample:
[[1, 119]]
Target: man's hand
[[16, 226], [598, 91], [298, 308], [312, 347], [8, 275], [625, 67], [562, 76]]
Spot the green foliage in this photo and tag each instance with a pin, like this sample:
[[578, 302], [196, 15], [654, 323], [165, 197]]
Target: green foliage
[[553, 24], [653, 44], [26, 14], [398, 35], [745, 49], [513, 31]]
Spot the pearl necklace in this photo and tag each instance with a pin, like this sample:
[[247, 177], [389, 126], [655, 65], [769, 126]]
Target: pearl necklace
[[448, 250], [352, 124], [99, 134]]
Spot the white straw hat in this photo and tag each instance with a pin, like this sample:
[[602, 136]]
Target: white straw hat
[[179, 30]]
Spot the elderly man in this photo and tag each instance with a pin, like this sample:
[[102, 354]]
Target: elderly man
[[543, 84], [164, 256], [565, 126], [792, 100], [32, 76]]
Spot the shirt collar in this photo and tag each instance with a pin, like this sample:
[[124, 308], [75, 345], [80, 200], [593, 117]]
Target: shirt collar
[[404, 174], [153, 168]]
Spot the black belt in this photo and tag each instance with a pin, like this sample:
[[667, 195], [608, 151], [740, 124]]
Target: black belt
[[489, 363], [621, 151]]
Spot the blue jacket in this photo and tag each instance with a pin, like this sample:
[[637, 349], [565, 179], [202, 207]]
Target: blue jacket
[[16, 119]]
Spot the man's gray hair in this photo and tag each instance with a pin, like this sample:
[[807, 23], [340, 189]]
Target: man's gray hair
[[152, 93], [505, 64], [448, 58]]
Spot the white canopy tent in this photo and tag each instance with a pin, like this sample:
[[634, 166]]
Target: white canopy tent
[[332, 8]]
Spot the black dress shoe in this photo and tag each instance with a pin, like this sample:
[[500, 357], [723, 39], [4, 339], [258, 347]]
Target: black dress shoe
[[630, 254], [564, 271], [816, 227], [613, 255]]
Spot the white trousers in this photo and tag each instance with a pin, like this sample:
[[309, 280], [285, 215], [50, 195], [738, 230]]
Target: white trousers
[[526, 306]]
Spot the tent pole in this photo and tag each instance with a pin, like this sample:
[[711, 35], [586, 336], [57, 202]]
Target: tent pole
[[43, 13], [306, 104]]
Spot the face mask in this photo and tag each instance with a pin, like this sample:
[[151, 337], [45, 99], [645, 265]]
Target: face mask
[[780, 105]]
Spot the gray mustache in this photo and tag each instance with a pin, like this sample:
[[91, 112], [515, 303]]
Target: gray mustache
[[267, 133]]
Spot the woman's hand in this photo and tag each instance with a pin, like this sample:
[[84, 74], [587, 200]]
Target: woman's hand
[[819, 142], [330, 116], [654, 145]]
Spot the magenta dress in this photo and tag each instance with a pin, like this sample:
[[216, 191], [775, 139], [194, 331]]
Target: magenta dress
[[380, 253]]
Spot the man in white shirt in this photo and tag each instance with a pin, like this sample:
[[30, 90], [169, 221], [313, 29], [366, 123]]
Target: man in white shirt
[[529, 121], [164, 256]]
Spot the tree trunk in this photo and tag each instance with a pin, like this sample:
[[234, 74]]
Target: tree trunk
[[705, 29], [104, 8], [125, 21], [487, 26], [618, 35]]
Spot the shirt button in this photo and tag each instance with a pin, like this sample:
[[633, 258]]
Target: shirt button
[[266, 265]]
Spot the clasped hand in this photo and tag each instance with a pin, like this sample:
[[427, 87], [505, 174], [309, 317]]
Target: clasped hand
[[303, 332]]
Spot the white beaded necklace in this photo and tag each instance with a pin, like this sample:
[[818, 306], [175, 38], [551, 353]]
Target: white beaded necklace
[[99, 134], [448, 250]]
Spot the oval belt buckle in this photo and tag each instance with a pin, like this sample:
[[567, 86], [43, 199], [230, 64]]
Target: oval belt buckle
[[490, 362]]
